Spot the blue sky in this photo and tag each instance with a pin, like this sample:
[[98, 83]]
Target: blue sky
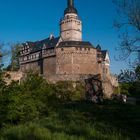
[[31, 20]]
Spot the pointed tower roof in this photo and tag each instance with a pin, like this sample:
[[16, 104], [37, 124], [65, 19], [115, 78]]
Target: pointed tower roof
[[70, 7], [98, 47]]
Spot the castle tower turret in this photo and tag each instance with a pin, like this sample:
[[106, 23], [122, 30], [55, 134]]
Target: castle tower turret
[[71, 25]]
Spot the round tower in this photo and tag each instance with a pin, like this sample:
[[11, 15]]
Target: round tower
[[71, 25]]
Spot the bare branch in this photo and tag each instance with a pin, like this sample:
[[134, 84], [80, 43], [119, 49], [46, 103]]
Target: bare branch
[[128, 22]]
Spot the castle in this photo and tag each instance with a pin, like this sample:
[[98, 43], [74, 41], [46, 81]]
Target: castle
[[67, 57]]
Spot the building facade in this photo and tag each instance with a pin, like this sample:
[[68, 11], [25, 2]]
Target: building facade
[[66, 57]]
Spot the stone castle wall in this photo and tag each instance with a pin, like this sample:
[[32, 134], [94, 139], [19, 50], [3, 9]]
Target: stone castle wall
[[34, 65], [72, 64], [72, 60], [49, 66]]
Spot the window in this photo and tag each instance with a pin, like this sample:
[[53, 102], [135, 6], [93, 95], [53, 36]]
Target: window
[[37, 55], [25, 58]]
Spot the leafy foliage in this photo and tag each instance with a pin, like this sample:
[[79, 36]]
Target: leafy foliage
[[137, 71], [15, 54], [125, 88], [22, 102], [32, 98], [70, 91], [35, 109]]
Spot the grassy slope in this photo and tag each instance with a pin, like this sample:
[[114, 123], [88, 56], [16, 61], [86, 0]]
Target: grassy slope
[[81, 121]]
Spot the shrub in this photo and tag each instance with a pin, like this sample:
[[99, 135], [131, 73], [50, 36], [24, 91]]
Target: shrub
[[70, 91], [25, 101], [125, 88]]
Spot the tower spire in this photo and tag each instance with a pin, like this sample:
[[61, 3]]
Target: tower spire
[[70, 3], [70, 7]]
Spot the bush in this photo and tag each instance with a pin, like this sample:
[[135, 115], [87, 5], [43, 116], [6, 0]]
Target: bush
[[25, 101], [130, 89], [135, 89], [125, 88], [32, 98], [70, 91]]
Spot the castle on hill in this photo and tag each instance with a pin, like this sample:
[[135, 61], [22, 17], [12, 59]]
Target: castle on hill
[[67, 57]]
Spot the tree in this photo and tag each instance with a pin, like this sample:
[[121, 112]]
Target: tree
[[127, 76], [1, 56], [25, 101], [137, 71], [128, 23], [15, 48], [3, 53]]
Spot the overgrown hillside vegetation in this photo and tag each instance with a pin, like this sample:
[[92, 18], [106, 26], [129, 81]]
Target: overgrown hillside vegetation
[[130, 82], [36, 110]]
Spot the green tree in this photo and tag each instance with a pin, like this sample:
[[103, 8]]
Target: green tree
[[137, 71], [25, 101], [15, 54], [2, 54], [130, 81]]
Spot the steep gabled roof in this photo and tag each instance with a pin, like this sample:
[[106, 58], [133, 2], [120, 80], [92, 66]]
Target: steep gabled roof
[[104, 53], [38, 45], [98, 47]]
